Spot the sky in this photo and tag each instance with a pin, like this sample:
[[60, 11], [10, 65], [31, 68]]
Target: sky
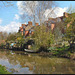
[[10, 17]]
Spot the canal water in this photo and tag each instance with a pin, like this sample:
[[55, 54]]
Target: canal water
[[19, 62]]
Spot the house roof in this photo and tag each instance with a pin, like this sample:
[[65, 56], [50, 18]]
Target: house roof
[[29, 27]]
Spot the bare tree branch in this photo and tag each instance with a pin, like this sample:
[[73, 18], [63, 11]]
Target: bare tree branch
[[7, 3], [36, 9]]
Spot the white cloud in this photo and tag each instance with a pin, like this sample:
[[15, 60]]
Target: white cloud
[[12, 27], [59, 11], [24, 7], [16, 17], [0, 21], [56, 13]]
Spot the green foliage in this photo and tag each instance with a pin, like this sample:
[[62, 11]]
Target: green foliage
[[16, 37], [42, 36], [59, 51], [69, 53], [63, 48], [3, 70], [11, 37], [1, 44], [70, 31], [34, 47], [59, 32], [19, 39], [51, 48]]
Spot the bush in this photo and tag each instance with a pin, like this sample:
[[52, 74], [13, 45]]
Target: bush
[[42, 36], [3, 70], [51, 48]]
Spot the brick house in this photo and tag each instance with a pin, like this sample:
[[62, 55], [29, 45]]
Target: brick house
[[51, 22], [27, 29]]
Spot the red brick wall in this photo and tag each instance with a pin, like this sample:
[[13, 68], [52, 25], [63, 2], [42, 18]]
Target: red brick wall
[[26, 33], [23, 25], [52, 26], [36, 24], [22, 29], [32, 33]]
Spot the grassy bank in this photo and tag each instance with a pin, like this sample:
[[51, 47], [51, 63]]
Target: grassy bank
[[3, 70], [59, 52]]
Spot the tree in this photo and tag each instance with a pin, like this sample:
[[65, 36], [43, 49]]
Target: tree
[[36, 10], [11, 37], [42, 37], [20, 38], [70, 29], [3, 35], [59, 32], [6, 4]]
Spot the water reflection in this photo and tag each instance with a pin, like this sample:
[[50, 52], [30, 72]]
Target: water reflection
[[22, 63]]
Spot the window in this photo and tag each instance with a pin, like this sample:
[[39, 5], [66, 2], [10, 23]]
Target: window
[[30, 31]]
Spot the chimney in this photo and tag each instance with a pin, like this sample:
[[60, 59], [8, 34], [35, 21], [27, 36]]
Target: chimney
[[23, 25], [36, 24], [65, 14], [29, 23]]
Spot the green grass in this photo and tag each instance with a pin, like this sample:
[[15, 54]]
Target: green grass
[[63, 48], [3, 70], [58, 51]]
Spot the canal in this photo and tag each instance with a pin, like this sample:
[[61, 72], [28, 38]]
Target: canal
[[19, 62]]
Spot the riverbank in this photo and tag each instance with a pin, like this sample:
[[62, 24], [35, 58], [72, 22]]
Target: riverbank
[[64, 52], [66, 55]]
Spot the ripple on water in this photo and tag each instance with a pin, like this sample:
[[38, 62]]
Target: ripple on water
[[20, 63]]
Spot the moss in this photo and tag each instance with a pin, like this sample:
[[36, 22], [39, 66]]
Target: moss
[[3, 70]]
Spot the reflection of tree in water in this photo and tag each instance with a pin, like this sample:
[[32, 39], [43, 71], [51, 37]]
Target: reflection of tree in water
[[18, 59], [12, 58], [54, 66], [41, 65], [45, 65], [3, 54]]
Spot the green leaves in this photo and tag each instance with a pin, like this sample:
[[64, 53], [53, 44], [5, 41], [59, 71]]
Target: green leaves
[[43, 37], [70, 30], [3, 70]]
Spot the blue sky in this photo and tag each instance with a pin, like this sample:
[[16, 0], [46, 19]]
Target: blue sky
[[65, 3], [7, 13], [10, 16]]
